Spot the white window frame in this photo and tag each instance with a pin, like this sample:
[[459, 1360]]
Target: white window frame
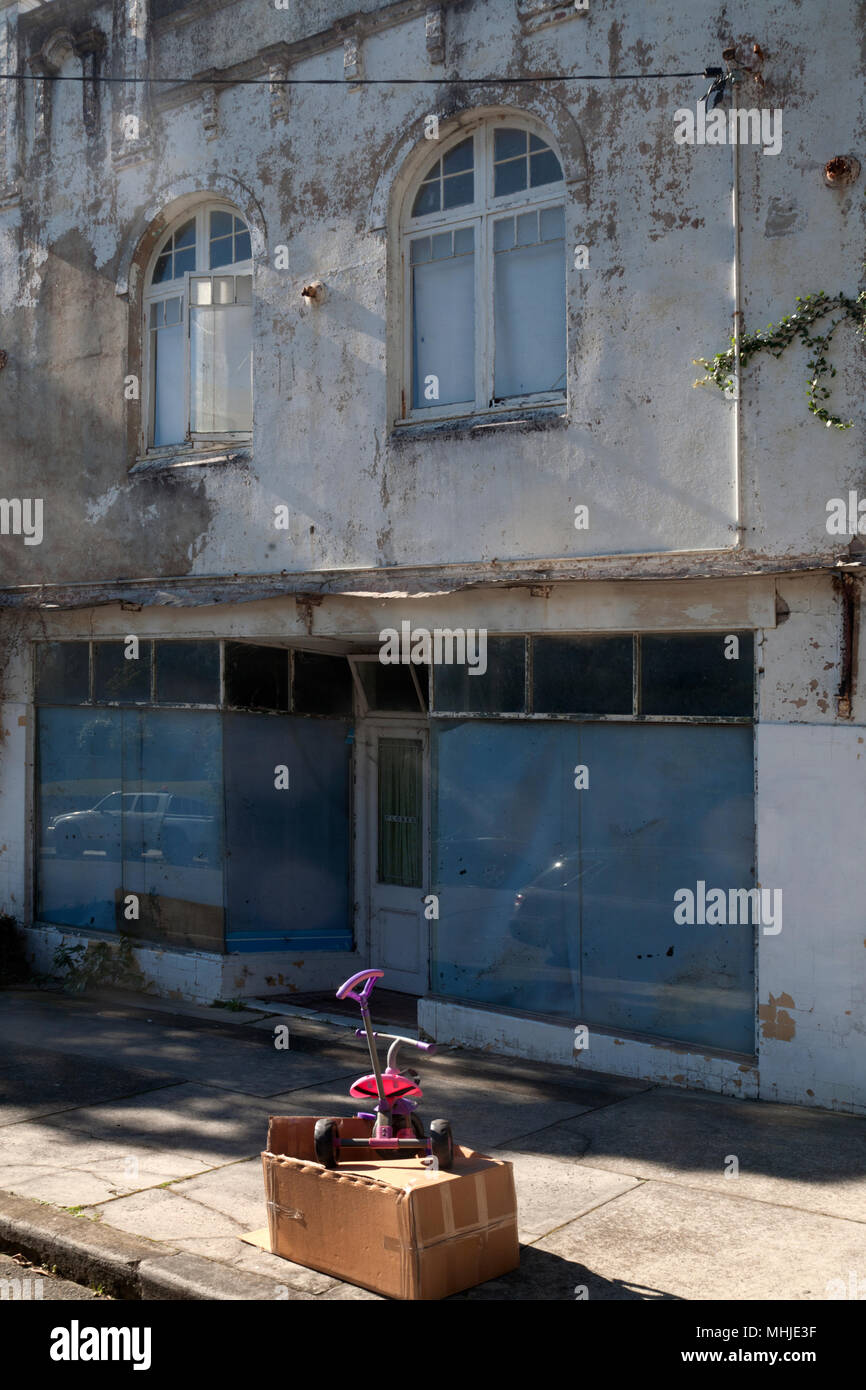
[[480, 215], [170, 289]]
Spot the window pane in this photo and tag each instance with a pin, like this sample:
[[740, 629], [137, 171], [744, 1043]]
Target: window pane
[[527, 228], [508, 143], [221, 369], [78, 838], [221, 252], [582, 675], [185, 235], [120, 679], [201, 291], [243, 251], [221, 224], [184, 261], [187, 673], [391, 687], [552, 223], [458, 190], [244, 289], [509, 178], [223, 289], [464, 240], [321, 684], [169, 425], [443, 330], [529, 306], [500, 690], [442, 246], [162, 270], [689, 674], [420, 249], [172, 312], [62, 673], [544, 168], [458, 159], [427, 199], [503, 234], [400, 811], [257, 677]]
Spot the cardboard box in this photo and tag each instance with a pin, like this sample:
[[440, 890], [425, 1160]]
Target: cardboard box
[[390, 1225]]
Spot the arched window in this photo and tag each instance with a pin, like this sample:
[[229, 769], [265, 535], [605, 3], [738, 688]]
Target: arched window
[[484, 263], [198, 309]]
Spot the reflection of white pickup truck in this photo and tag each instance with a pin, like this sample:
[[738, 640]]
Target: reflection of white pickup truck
[[182, 828]]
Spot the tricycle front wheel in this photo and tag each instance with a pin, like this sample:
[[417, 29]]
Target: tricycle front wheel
[[326, 1141]]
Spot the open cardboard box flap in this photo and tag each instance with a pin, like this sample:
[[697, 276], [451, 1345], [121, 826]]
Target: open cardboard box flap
[[389, 1224]]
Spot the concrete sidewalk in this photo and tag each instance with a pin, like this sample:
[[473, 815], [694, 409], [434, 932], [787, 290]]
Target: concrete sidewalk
[[145, 1121]]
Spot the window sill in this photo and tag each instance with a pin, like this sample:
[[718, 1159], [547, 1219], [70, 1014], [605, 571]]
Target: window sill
[[478, 426], [172, 459]]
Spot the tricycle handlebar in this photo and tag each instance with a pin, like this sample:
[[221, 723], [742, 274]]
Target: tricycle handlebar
[[346, 991]]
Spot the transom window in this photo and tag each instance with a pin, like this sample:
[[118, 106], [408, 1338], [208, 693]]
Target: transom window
[[199, 331], [484, 266]]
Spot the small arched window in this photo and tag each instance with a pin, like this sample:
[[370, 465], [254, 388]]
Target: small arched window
[[198, 310], [483, 241]]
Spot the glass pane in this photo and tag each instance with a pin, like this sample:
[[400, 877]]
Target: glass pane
[[582, 675], [689, 673], [508, 143], [498, 690], [172, 311], [187, 673], [221, 224], [458, 159], [391, 687], [243, 250], [118, 678], [221, 369], [321, 684], [185, 235], [529, 308], [169, 423], [221, 252], [172, 833], [223, 289], [552, 224], [509, 178], [458, 191], [201, 291], [78, 839], [183, 262], [256, 677], [244, 289], [464, 240], [442, 245], [156, 314], [559, 902], [162, 269], [527, 228], [400, 812], [420, 249], [443, 309], [288, 849], [536, 144], [503, 234], [62, 673], [427, 199], [544, 168]]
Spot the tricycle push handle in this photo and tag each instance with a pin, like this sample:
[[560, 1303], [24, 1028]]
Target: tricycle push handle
[[347, 991]]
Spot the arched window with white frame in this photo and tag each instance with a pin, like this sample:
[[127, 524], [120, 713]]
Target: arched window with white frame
[[483, 254], [198, 315]]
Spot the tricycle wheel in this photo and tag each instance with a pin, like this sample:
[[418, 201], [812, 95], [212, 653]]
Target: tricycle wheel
[[325, 1139], [417, 1126], [443, 1143]]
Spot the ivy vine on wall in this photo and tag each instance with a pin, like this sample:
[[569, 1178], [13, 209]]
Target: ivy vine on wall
[[775, 338]]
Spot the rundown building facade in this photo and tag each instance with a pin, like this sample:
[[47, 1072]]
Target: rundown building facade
[[307, 364]]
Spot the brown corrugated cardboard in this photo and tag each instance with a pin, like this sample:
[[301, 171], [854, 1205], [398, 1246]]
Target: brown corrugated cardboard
[[389, 1225]]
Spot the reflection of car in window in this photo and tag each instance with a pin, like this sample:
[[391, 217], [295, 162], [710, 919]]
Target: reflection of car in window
[[182, 828]]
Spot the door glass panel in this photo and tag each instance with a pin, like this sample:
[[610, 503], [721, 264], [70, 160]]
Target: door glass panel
[[399, 812]]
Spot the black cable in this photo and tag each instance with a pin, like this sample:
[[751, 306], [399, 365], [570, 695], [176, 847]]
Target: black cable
[[344, 81]]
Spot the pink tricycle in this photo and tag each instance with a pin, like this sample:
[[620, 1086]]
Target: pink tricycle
[[396, 1127]]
